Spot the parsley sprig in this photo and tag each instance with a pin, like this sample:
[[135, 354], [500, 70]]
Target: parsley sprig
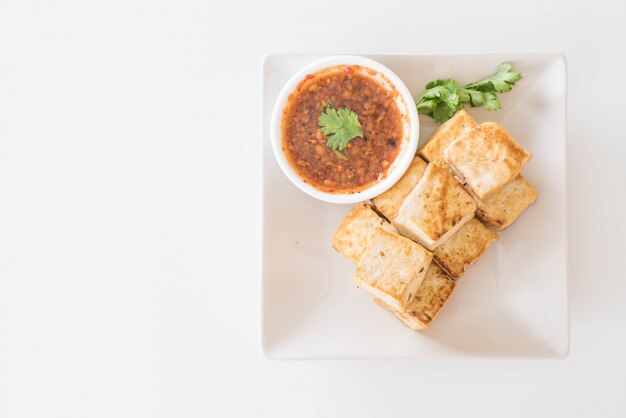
[[340, 126], [444, 97]]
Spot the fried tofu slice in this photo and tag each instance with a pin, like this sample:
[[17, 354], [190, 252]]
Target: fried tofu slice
[[502, 208], [353, 235], [449, 131], [464, 248], [392, 268], [486, 158], [435, 209], [434, 292], [389, 202]]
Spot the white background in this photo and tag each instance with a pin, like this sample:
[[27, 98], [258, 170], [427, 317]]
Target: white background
[[129, 210]]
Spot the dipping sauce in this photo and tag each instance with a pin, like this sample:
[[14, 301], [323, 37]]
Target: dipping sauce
[[365, 160]]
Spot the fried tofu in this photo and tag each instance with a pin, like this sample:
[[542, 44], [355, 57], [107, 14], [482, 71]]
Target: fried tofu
[[486, 158], [502, 208], [392, 268], [353, 235], [435, 209], [449, 131], [434, 292], [464, 248], [389, 202]]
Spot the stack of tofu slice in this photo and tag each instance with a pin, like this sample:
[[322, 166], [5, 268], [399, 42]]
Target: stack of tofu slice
[[446, 208]]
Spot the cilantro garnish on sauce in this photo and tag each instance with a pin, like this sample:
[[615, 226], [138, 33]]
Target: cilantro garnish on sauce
[[443, 98], [340, 126]]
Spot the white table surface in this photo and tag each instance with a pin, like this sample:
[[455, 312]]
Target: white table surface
[[129, 210]]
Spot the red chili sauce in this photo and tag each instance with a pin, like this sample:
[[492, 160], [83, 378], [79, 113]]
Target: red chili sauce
[[365, 160]]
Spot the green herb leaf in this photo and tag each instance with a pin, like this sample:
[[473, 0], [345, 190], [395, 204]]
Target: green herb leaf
[[426, 107], [440, 100], [501, 82], [340, 126], [476, 98], [443, 98], [491, 102]]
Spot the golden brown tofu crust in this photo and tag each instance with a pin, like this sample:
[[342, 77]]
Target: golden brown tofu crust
[[353, 235], [486, 158], [449, 131], [431, 296], [502, 208], [464, 248], [392, 268], [389, 202], [437, 204]]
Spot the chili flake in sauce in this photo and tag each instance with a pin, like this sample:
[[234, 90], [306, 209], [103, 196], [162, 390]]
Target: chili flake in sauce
[[365, 160]]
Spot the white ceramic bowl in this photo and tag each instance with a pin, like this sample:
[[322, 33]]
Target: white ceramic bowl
[[408, 145]]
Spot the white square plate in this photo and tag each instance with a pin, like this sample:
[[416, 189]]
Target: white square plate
[[511, 303]]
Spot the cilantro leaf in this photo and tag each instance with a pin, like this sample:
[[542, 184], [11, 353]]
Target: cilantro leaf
[[340, 126], [425, 107], [443, 98], [501, 82], [491, 102], [476, 98], [440, 100]]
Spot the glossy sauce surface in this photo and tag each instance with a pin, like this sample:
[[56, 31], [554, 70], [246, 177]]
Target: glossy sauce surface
[[365, 160]]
